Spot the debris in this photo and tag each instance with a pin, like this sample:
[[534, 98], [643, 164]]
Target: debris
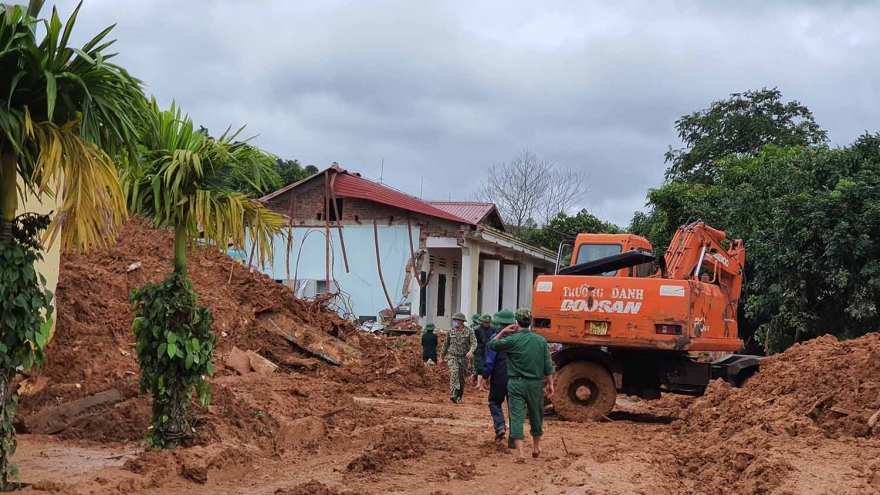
[[296, 362], [238, 361], [32, 386], [873, 420], [133, 267], [260, 364], [324, 346], [55, 419]]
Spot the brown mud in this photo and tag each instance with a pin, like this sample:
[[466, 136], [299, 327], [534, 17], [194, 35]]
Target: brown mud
[[386, 426]]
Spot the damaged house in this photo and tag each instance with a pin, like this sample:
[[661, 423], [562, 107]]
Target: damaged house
[[376, 247]]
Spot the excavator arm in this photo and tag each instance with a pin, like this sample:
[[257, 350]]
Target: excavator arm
[[696, 251]]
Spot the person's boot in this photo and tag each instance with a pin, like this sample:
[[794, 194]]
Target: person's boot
[[511, 443], [499, 435]]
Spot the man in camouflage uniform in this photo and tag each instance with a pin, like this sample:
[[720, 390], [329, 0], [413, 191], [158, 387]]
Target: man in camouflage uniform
[[458, 349]]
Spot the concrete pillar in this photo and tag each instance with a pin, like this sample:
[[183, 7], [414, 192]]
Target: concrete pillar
[[491, 285], [471, 267], [465, 281], [509, 298], [526, 279], [431, 296]]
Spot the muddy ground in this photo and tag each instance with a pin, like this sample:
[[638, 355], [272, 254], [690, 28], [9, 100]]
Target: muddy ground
[[436, 447], [383, 423]]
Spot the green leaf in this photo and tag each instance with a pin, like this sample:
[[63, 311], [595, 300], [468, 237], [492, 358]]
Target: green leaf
[[162, 348], [172, 350], [51, 94]]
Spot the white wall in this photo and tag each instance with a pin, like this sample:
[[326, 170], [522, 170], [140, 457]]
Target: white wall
[[362, 282]]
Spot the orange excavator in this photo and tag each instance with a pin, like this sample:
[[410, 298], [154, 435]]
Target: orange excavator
[[631, 322]]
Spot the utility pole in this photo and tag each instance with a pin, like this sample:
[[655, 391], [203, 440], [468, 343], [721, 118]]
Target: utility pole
[[382, 171], [421, 186]]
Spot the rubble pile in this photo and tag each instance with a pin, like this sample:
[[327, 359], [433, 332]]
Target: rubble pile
[[92, 352], [823, 389]]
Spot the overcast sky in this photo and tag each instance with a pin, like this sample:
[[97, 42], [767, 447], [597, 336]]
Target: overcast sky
[[441, 90]]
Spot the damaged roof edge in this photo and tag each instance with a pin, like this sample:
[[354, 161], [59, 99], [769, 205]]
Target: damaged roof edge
[[501, 238]]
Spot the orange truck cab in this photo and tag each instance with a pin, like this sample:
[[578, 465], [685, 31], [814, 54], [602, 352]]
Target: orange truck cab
[[628, 320]]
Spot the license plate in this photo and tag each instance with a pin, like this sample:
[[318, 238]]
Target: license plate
[[599, 328]]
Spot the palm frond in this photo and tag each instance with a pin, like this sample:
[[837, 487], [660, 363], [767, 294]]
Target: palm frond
[[93, 203]]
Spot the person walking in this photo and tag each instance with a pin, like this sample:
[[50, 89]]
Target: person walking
[[495, 373], [429, 344], [528, 364], [483, 333], [458, 349]]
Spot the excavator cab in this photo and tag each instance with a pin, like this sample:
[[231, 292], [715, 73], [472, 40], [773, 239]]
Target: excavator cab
[[588, 248]]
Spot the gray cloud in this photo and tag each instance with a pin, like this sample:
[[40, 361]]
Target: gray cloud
[[441, 90]]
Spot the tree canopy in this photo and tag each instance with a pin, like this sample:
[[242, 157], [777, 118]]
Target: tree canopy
[[806, 213], [739, 125]]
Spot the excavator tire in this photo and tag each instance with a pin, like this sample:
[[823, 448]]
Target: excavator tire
[[585, 391]]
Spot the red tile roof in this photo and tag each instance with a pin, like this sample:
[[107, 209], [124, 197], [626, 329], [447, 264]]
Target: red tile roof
[[474, 212], [350, 185]]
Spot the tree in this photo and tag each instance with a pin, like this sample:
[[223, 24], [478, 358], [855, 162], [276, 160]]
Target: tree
[[567, 227], [529, 189], [183, 181], [740, 125], [65, 113], [280, 173]]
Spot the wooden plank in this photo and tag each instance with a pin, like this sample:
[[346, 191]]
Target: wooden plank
[[319, 344], [56, 419]]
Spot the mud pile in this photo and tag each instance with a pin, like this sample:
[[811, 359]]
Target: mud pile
[[391, 364], [93, 348], [398, 443], [814, 392], [821, 386]]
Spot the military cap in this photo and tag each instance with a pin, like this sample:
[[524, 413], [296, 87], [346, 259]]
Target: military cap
[[505, 317], [523, 314], [459, 316]]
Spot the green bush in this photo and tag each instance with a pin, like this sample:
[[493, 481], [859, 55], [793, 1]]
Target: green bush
[[175, 346], [25, 323]]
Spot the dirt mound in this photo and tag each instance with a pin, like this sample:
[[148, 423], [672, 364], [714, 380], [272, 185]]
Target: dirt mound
[[812, 393], [92, 349], [391, 364], [823, 384], [313, 487], [398, 443]]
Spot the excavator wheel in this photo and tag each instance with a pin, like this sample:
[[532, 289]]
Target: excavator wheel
[[585, 391]]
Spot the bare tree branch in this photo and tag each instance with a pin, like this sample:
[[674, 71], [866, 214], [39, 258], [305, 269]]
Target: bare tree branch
[[529, 190]]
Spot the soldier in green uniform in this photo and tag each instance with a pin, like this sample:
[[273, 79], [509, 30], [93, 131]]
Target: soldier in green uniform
[[429, 344], [483, 333], [458, 349], [528, 363]]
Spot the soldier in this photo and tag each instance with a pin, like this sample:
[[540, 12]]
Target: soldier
[[459, 346], [429, 344], [495, 372], [483, 333], [528, 363]]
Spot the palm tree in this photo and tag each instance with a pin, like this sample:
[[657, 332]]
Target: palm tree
[[184, 179], [64, 113]]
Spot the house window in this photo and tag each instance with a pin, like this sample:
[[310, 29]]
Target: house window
[[441, 294], [332, 213]]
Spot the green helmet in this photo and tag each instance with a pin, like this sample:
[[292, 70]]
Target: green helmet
[[524, 316], [459, 316], [486, 318], [430, 327], [475, 318], [505, 317]]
